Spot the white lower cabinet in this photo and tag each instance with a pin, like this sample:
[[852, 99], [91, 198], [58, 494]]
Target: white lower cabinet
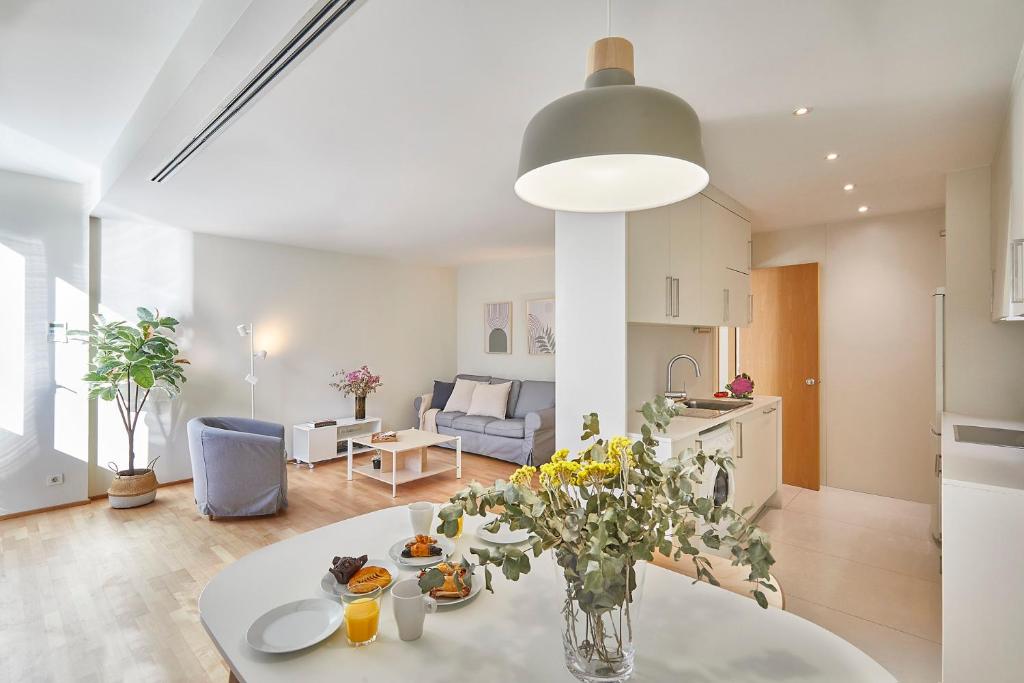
[[756, 457]]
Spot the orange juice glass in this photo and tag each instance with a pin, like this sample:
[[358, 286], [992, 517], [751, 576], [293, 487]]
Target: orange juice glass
[[362, 617]]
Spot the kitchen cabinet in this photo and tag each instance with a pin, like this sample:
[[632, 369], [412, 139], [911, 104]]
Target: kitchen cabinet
[[756, 457], [689, 264], [1007, 225]]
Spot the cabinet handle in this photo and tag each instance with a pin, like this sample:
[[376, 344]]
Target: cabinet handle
[[739, 435], [725, 305], [767, 411], [1017, 281], [750, 308], [668, 296], [750, 256], [675, 297], [938, 464]]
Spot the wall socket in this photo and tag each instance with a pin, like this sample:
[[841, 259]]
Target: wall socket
[[55, 479]]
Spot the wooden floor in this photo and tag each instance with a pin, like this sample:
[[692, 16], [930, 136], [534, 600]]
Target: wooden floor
[[94, 594]]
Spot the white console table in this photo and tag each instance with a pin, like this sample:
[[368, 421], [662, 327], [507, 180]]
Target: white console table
[[313, 444]]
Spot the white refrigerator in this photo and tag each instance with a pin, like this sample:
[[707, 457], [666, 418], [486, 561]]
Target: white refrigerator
[[939, 302]]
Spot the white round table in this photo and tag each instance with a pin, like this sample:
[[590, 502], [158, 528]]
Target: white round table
[[687, 632]]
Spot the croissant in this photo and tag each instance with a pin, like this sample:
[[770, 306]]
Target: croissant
[[421, 550], [368, 578]]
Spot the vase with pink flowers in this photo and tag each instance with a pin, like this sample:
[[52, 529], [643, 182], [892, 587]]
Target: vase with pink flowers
[[359, 383], [741, 387]]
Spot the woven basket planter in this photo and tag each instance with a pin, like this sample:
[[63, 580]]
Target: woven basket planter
[[132, 490]]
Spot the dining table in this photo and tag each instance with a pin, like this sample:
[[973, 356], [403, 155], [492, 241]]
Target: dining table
[[686, 632]]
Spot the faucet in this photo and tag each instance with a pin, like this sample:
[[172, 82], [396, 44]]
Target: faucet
[[678, 395]]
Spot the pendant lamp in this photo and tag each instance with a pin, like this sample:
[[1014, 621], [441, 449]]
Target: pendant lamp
[[613, 146]]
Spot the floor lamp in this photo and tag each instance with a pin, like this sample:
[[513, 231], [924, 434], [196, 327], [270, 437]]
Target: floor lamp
[[246, 330]]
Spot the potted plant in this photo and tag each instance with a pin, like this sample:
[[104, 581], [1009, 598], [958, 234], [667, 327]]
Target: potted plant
[[603, 513], [741, 386], [359, 383], [129, 362]]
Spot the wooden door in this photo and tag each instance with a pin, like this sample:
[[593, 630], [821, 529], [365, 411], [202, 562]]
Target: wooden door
[[780, 352]]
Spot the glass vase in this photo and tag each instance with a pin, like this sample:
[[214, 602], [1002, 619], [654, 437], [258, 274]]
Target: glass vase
[[599, 628], [360, 407]]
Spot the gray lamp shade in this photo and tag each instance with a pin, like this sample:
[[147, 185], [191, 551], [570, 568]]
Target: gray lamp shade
[[613, 146]]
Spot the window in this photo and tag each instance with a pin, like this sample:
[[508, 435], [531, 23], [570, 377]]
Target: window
[[727, 353]]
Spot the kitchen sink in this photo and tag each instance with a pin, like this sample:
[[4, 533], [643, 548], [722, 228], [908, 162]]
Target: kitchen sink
[[710, 407]]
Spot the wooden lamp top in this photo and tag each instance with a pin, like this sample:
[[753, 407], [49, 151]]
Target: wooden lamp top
[[610, 53]]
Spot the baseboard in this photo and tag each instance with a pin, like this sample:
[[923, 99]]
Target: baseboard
[[159, 485], [25, 513]]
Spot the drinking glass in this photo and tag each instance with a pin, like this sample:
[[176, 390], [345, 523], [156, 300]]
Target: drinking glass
[[421, 515], [362, 617]]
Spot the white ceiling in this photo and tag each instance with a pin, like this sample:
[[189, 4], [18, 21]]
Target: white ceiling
[[73, 72], [400, 133]]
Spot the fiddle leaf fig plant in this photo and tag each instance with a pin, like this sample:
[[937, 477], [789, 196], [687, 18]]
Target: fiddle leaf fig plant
[[129, 362]]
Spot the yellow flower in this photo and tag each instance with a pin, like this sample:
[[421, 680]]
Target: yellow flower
[[560, 455], [523, 476], [551, 472], [594, 472], [620, 450]]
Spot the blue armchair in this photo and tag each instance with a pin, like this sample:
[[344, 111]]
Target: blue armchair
[[238, 466]]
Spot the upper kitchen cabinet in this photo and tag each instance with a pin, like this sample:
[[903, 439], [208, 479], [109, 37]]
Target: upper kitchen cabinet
[[1007, 240], [689, 264]]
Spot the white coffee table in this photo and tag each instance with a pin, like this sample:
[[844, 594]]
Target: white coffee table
[[410, 459]]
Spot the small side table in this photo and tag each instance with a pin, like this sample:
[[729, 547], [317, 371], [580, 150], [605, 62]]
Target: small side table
[[314, 444]]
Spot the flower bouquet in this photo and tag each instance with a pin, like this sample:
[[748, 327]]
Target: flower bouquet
[[358, 383], [603, 513], [741, 387]]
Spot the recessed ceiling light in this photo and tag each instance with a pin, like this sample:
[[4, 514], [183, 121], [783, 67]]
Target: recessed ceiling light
[[848, 187], [831, 156], [863, 209], [802, 111]]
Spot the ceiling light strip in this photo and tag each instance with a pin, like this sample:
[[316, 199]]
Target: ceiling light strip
[[300, 41]]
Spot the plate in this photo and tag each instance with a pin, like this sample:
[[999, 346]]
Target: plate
[[445, 544], [330, 585], [503, 536], [295, 626], [474, 589]]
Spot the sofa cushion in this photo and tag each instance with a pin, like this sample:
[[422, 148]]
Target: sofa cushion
[[513, 427], [533, 396], [462, 395], [444, 419], [513, 393], [475, 378], [442, 392], [490, 400], [471, 423]]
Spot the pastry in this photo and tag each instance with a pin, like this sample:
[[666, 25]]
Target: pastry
[[368, 578], [421, 546], [343, 568], [451, 588]]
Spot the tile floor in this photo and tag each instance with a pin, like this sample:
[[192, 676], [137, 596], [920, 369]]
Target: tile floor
[[865, 568]]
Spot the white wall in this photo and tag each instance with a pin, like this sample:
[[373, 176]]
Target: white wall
[[590, 289], [876, 335], [314, 311], [984, 359], [43, 404], [517, 281]]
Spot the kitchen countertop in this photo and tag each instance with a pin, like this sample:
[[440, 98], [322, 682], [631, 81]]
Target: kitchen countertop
[[992, 466], [685, 427]]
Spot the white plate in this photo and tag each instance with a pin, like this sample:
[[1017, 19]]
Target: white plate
[[446, 546], [503, 536], [330, 585], [295, 626], [475, 587]]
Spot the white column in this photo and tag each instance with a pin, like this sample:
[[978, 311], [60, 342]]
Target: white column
[[590, 323]]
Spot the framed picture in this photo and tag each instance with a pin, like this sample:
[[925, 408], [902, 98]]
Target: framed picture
[[540, 326], [498, 321]]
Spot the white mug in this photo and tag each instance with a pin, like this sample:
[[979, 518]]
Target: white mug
[[411, 606], [422, 516]]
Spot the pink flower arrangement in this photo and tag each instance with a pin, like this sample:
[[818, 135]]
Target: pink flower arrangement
[[741, 387], [359, 382]]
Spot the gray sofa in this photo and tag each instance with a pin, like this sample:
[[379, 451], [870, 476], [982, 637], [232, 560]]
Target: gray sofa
[[527, 434], [238, 466]]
